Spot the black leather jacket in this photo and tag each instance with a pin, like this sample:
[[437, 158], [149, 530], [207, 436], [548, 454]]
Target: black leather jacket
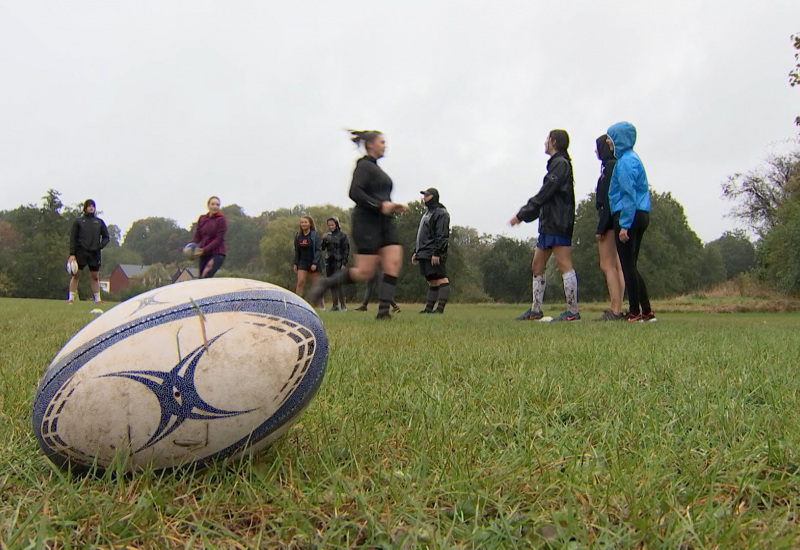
[[554, 204], [433, 233]]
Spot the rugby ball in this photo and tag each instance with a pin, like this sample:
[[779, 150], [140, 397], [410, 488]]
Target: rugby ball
[[189, 249], [180, 376], [72, 267]]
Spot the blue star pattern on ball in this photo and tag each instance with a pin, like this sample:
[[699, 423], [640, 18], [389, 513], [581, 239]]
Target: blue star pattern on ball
[[177, 394]]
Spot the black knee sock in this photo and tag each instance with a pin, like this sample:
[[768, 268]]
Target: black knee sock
[[444, 294], [386, 293], [433, 294]]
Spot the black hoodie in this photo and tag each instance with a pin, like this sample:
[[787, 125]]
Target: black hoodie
[[554, 204], [433, 234], [601, 199], [88, 233], [337, 244]]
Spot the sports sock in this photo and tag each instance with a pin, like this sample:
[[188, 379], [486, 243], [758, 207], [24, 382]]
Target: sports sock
[[433, 294], [386, 293], [73, 296], [96, 296], [444, 294], [571, 290], [538, 292]]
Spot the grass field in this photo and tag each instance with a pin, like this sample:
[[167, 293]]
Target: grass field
[[462, 430]]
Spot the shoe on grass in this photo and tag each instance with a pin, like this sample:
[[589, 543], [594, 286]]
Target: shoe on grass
[[383, 316], [568, 316], [632, 317], [530, 315], [649, 317], [362, 307], [609, 315]]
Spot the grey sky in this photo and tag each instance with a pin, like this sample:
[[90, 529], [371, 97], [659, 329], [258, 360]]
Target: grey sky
[[149, 107]]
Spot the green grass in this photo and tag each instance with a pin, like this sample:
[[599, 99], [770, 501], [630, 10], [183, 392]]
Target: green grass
[[461, 430]]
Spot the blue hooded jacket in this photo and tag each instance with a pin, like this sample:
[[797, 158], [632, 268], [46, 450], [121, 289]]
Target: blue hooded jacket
[[628, 190]]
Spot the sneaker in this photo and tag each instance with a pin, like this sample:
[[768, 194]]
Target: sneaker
[[633, 317], [362, 307], [567, 316], [383, 316], [70, 302], [609, 315], [530, 315], [426, 310], [395, 309], [99, 302], [438, 311], [343, 308], [334, 308], [649, 317]]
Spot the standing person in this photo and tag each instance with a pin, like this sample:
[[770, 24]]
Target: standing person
[[88, 236], [209, 235], [430, 250], [629, 197], [338, 248], [604, 234], [307, 256], [554, 205], [374, 234], [372, 286]]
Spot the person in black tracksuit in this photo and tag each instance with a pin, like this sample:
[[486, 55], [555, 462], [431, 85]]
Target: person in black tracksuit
[[374, 234], [430, 250], [337, 245], [604, 234], [88, 236], [308, 256], [554, 206]]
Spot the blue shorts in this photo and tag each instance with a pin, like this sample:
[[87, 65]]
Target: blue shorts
[[547, 241]]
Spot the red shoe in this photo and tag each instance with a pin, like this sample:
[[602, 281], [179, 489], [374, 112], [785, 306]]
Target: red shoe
[[634, 317]]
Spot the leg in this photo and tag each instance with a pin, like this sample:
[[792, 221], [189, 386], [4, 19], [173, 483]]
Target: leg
[[302, 276], [391, 258], [444, 293], [538, 265], [73, 287], [627, 259], [563, 256], [611, 268], [94, 283], [641, 222]]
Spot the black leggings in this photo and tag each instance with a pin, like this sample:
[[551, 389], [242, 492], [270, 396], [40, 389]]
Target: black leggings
[[216, 259], [629, 257]]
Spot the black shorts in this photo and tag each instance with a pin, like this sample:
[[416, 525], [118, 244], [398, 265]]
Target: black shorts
[[372, 231], [304, 265], [89, 258], [432, 272], [206, 271]]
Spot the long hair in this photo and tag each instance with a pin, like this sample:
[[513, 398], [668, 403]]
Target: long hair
[[364, 136], [560, 141], [310, 222], [214, 197]]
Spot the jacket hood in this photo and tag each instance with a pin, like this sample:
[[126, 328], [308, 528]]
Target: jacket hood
[[335, 220], [603, 150], [623, 134]]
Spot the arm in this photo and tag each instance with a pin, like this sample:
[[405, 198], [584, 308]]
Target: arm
[[624, 177], [345, 250], [73, 238], [296, 251], [604, 205], [358, 188], [552, 181], [105, 237], [196, 236], [315, 240], [441, 234]]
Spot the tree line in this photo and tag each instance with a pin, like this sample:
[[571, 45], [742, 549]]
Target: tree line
[[482, 267]]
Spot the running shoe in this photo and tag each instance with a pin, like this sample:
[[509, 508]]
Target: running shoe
[[395, 309], [530, 315], [568, 316], [609, 315], [649, 317], [343, 308], [334, 308], [70, 302], [383, 316], [362, 307], [426, 310], [632, 317]]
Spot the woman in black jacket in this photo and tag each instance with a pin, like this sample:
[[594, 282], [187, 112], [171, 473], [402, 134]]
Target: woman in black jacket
[[554, 206], [374, 234], [604, 235], [307, 256]]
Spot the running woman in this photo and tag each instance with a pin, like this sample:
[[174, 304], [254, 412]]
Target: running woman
[[430, 250], [629, 197], [337, 245], [209, 235], [88, 236], [372, 287], [604, 234], [307, 256], [374, 234], [554, 205]]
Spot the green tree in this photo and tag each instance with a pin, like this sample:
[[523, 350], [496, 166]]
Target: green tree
[[794, 74], [242, 241], [156, 240], [737, 251], [506, 270], [712, 267]]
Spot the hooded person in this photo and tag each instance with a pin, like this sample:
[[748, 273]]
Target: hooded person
[[88, 236], [604, 234], [629, 199], [430, 250], [337, 247]]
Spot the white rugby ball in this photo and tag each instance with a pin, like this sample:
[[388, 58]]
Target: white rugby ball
[[72, 267], [181, 375], [189, 249]]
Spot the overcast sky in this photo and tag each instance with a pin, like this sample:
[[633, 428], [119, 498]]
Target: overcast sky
[[149, 107]]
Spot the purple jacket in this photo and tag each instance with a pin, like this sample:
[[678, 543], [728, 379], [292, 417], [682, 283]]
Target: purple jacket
[[209, 234]]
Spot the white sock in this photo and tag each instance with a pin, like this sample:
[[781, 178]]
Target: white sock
[[571, 290], [96, 296], [538, 293], [72, 296]]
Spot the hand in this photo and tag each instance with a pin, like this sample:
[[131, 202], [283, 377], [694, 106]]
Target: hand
[[197, 252], [387, 208], [400, 208], [72, 258], [514, 221], [294, 268], [435, 260], [599, 237], [414, 259], [313, 267], [623, 235]]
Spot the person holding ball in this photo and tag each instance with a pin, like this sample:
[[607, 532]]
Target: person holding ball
[[209, 236], [88, 236]]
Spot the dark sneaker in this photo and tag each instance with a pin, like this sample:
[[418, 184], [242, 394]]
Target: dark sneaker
[[530, 315], [633, 317], [343, 308], [334, 308], [567, 316], [395, 309], [362, 307], [426, 310], [439, 311], [383, 316], [609, 315], [649, 317]]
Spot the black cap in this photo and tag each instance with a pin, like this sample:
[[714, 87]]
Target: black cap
[[431, 191]]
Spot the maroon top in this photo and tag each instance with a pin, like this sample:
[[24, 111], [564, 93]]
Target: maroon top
[[209, 233]]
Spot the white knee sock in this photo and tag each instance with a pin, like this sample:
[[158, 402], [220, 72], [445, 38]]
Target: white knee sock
[[571, 290]]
